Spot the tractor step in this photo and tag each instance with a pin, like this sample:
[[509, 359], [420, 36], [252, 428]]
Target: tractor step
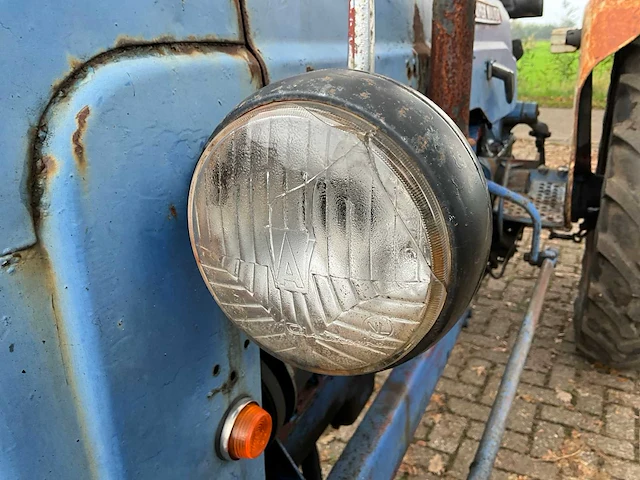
[[547, 189]]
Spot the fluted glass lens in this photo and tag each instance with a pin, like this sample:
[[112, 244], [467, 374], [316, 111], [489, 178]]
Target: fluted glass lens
[[319, 237]]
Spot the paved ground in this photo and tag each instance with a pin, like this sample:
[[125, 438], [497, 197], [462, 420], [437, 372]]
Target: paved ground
[[571, 419], [560, 121]]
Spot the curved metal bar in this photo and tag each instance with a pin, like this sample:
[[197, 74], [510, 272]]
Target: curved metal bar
[[502, 192]]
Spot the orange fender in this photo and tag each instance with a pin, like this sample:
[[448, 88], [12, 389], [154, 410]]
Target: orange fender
[[608, 26]]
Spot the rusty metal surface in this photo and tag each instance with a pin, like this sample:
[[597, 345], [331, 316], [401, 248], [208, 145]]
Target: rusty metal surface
[[418, 68], [114, 338], [608, 26], [76, 138], [403, 44], [452, 58]]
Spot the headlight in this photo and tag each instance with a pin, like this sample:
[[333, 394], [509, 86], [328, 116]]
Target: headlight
[[318, 221]]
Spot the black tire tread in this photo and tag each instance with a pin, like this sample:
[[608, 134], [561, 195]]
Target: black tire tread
[[607, 310]]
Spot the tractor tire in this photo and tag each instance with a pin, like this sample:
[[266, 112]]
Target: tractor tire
[[607, 309]]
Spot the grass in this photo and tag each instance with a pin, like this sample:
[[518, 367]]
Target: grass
[[550, 79]]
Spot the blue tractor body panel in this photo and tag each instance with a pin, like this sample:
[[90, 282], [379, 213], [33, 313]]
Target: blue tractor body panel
[[44, 41], [108, 335], [119, 340], [492, 43]]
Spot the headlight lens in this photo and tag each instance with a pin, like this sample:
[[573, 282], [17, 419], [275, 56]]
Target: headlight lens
[[318, 236], [341, 220]]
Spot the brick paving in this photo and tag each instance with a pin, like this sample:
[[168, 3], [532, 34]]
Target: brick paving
[[571, 419]]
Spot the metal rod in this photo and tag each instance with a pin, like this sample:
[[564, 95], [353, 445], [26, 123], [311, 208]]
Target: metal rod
[[376, 448], [362, 35], [453, 28], [505, 182], [494, 429], [528, 205]]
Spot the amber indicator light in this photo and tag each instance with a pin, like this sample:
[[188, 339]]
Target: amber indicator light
[[250, 433]]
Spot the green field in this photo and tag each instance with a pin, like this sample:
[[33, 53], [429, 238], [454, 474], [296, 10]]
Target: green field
[[550, 79]]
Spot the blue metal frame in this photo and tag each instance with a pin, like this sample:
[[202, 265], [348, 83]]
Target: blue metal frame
[[495, 427], [376, 448], [109, 336]]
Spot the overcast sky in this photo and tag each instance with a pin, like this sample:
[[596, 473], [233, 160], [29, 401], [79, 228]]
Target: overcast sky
[[555, 10]]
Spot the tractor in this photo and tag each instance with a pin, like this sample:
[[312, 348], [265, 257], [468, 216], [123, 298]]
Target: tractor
[[220, 218]]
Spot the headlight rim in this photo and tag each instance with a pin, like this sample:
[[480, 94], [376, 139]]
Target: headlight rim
[[380, 100]]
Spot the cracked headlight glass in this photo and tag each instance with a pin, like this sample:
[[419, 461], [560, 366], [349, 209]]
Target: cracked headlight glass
[[319, 236]]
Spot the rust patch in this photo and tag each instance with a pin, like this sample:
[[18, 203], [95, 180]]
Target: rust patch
[[254, 69], [606, 29], [76, 138], [422, 53], [46, 166], [353, 48], [418, 28], [451, 58], [128, 40], [133, 47], [173, 213], [422, 142], [253, 52], [74, 62], [410, 70]]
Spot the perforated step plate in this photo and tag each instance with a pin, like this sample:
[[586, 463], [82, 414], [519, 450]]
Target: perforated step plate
[[546, 187]]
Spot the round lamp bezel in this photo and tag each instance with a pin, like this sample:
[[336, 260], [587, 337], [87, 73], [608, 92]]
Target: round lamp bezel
[[438, 157]]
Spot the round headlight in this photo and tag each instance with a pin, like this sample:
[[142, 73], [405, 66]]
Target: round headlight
[[324, 215]]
